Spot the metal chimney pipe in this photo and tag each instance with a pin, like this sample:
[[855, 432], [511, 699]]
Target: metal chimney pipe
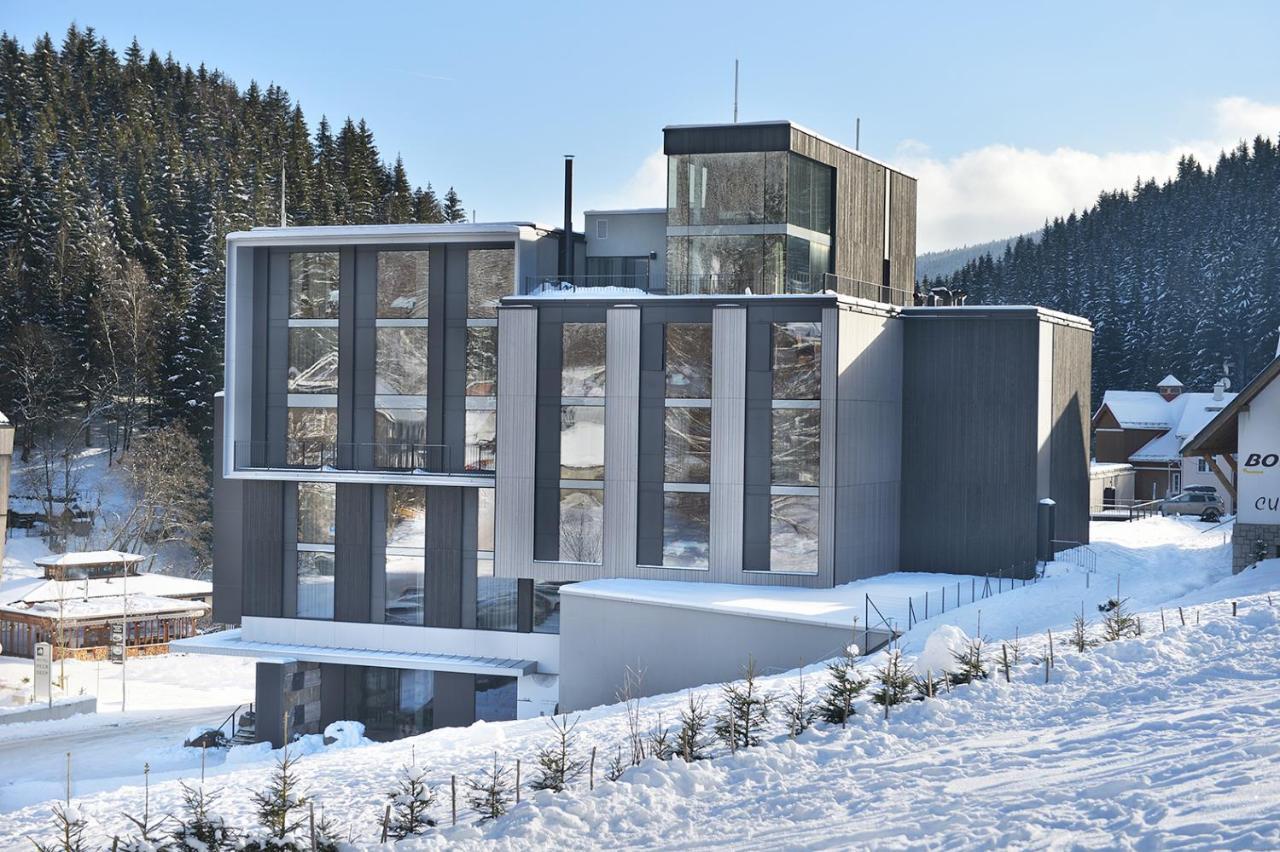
[[566, 241]]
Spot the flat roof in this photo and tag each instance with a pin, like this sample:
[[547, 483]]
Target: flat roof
[[87, 558], [627, 211], [377, 233]]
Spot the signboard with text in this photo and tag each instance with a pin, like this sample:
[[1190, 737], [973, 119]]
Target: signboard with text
[[1259, 458], [44, 672]]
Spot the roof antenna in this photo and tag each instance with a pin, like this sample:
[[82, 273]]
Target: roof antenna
[[284, 219], [735, 91], [857, 134]]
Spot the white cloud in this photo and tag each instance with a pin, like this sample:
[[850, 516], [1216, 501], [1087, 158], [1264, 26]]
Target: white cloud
[[1000, 190]]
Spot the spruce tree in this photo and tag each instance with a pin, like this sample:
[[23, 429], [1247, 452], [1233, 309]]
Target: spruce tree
[[198, 829], [740, 723], [894, 682], [692, 740], [844, 686], [453, 211], [970, 663], [558, 765], [70, 825], [490, 794], [411, 800], [281, 805], [798, 707]]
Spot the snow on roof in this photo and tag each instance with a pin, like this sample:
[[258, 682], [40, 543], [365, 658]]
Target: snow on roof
[[1097, 468], [88, 557], [107, 607], [1187, 414], [1169, 381], [158, 585]]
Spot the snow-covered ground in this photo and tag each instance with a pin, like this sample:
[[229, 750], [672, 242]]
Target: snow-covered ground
[[1169, 739]]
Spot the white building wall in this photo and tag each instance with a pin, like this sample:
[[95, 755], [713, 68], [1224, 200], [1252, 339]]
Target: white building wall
[[1259, 458]]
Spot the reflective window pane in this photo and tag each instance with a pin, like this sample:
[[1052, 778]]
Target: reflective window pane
[[490, 276], [313, 360], [582, 361], [581, 525], [484, 521], [316, 512], [689, 360], [397, 703], [315, 584], [797, 360], [400, 440], [796, 442], [406, 516], [793, 534], [726, 189], [405, 588], [401, 361], [582, 442], [496, 599], [402, 284], [546, 607], [482, 361], [686, 529], [313, 285], [809, 193], [725, 264], [495, 698], [688, 445], [482, 439], [311, 436]]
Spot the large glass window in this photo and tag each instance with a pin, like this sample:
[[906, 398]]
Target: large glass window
[[311, 436], [618, 272], [793, 533], [402, 284], [726, 189], [582, 442], [686, 529], [405, 554], [482, 439], [688, 360], [495, 698], [583, 360], [581, 525], [497, 598], [796, 443], [400, 440], [688, 445], [316, 512], [485, 519], [406, 516], [313, 360], [397, 702], [490, 276], [725, 264], [807, 265], [401, 361], [810, 187], [546, 607], [797, 360], [315, 584], [482, 360], [405, 578], [313, 285]]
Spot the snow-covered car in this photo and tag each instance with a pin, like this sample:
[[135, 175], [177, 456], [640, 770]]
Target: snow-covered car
[[1206, 506]]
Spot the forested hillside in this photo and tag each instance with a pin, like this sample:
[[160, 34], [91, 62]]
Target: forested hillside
[[119, 178], [934, 264], [1177, 278]]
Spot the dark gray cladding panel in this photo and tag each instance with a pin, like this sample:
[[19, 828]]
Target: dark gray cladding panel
[[1069, 478], [263, 547], [727, 138], [446, 514], [455, 700], [228, 532], [969, 441], [354, 513], [259, 344], [333, 693], [268, 695], [436, 342]]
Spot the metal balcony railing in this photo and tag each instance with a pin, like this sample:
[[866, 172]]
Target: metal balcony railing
[[399, 457], [543, 283], [796, 283]]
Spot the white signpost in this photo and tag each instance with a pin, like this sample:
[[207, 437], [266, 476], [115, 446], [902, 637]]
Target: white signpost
[[44, 672]]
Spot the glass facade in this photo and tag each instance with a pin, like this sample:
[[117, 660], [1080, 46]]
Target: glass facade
[[686, 529], [315, 584], [727, 189], [581, 525], [810, 195], [482, 439], [582, 442], [582, 359], [401, 361], [793, 533], [495, 698], [546, 607], [725, 264], [796, 443], [618, 272], [313, 360], [497, 598], [311, 436], [482, 360], [797, 360], [313, 285], [402, 284], [316, 512], [397, 703], [687, 445], [315, 536], [490, 276], [400, 438], [688, 356]]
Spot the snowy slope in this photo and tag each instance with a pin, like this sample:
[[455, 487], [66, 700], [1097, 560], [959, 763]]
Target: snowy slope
[[1163, 740]]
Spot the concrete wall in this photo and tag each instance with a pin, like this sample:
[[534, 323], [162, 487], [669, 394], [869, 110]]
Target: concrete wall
[[676, 648], [63, 708], [1121, 480]]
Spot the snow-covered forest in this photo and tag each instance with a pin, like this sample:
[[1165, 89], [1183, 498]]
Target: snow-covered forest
[[1176, 277], [119, 178]]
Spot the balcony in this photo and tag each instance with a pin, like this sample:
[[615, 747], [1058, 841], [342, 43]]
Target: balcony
[[737, 285], [317, 455]]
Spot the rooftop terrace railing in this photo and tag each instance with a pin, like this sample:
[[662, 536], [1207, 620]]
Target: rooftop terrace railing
[[795, 283], [385, 457]]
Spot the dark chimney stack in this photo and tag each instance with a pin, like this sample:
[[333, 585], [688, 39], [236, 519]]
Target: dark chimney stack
[[566, 241]]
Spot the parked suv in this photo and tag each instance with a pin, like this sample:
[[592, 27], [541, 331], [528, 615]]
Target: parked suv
[[1206, 505]]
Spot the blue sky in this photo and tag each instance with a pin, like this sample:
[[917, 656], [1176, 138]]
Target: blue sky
[[1007, 112]]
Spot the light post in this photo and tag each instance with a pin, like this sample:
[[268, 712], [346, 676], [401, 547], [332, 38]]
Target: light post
[[124, 637]]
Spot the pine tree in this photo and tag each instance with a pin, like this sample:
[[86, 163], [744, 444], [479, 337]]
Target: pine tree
[[490, 794], [199, 830], [692, 739], [741, 722], [558, 766], [798, 708], [411, 802], [280, 806], [453, 211], [1117, 621], [71, 826], [844, 686], [970, 664], [1080, 638], [894, 681]]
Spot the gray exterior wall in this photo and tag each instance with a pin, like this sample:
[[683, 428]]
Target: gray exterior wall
[[676, 648], [632, 233]]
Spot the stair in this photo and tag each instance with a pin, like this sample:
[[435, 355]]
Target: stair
[[246, 732]]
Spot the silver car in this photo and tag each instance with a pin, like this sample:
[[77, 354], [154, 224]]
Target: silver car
[[1202, 504]]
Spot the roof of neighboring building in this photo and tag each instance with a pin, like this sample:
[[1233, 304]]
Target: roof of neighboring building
[[1099, 469], [1220, 435], [327, 234], [1169, 381], [107, 607], [647, 211], [1180, 418], [143, 584], [88, 558]]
